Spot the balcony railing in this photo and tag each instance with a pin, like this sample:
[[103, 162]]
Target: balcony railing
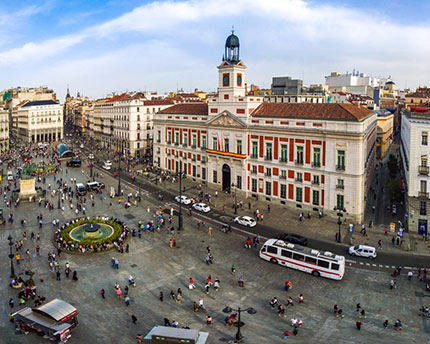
[[193, 159], [203, 148], [158, 141], [316, 182], [339, 186], [184, 145], [268, 157], [176, 143], [299, 180], [423, 170], [268, 174], [283, 176], [340, 167], [253, 156], [204, 160], [283, 160], [253, 171], [423, 194], [316, 164], [193, 146], [169, 142], [168, 153], [299, 162]]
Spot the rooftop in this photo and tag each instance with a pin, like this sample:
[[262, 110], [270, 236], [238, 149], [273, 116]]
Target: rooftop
[[40, 102], [338, 112], [187, 109]]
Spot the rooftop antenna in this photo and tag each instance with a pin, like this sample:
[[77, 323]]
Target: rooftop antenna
[[232, 29]]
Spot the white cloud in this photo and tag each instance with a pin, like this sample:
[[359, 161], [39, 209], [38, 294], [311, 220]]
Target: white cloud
[[278, 37]]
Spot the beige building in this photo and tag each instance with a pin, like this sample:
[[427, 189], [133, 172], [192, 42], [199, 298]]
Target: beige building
[[4, 130], [385, 133], [39, 121], [306, 156]]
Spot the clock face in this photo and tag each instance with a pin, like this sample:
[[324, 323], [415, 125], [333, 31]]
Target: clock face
[[239, 80], [225, 80]]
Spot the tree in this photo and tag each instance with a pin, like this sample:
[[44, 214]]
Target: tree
[[392, 165], [393, 186]]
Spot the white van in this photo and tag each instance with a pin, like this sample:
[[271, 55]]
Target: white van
[[363, 251], [80, 189], [9, 175]]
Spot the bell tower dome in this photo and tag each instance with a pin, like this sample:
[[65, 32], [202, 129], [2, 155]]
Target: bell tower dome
[[232, 49]]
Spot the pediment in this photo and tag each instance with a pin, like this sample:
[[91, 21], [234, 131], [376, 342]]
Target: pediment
[[227, 119]]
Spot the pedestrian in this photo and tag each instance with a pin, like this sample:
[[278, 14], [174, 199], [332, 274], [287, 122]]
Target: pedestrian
[[380, 244], [134, 318], [385, 324], [286, 334], [11, 302], [358, 324], [393, 241], [102, 293], [58, 276], [75, 276], [127, 301], [290, 302], [358, 307], [268, 208], [301, 298], [161, 296], [210, 230], [363, 314], [233, 269], [191, 284], [410, 274]]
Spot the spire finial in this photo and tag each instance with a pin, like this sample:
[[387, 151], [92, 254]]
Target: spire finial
[[232, 29]]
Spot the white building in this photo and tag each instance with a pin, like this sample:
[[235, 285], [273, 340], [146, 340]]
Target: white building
[[308, 156], [39, 121], [415, 154], [357, 83], [4, 130]]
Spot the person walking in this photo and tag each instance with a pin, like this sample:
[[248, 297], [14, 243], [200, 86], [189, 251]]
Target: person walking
[[358, 324], [102, 293], [134, 318], [161, 296], [11, 302], [380, 244], [75, 276], [58, 274]]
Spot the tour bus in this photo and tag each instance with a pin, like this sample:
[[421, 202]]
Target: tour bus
[[317, 263]]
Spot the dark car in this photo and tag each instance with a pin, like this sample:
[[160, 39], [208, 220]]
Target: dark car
[[293, 238], [74, 163]]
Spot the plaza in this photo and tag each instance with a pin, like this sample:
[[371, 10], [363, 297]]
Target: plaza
[[157, 267]]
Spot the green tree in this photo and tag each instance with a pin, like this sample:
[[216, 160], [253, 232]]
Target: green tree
[[392, 165], [394, 189]]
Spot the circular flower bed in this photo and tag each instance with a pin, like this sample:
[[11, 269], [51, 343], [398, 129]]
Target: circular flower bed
[[65, 241]]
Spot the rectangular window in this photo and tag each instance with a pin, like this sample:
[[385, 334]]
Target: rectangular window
[[185, 141], [215, 180], [203, 173], [215, 143], [194, 140], [254, 149], [341, 160], [268, 188], [334, 266], [323, 263], [300, 257], [316, 180], [423, 186], [339, 201], [283, 174], [239, 182], [268, 151], [239, 146], [272, 249], [423, 210], [311, 260], [315, 197], [284, 153], [285, 253], [226, 145], [299, 176], [254, 169], [254, 185], [283, 191], [204, 142], [158, 135], [424, 138], [194, 171], [340, 184], [177, 138], [268, 171], [299, 194], [317, 156], [169, 135], [299, 155]]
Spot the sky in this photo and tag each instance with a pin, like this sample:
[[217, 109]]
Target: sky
[[98, 47]]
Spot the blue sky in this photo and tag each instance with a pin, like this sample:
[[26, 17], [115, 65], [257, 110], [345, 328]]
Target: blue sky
[[98, 47]]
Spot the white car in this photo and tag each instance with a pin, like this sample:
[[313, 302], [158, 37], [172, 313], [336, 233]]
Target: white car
[[108, 163], [183, 199], [363, 251], [106, 167], [245, 221], [91, 156], [202, 207], [81, 145]]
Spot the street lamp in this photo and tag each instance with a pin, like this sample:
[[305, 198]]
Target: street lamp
[[119, 173], [249, 310], [339, 222], [11, 255], [340, 212], [235, 198], [58, 204], [180, 224]]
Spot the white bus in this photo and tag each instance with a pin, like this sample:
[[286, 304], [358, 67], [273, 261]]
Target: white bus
[[317, 263]]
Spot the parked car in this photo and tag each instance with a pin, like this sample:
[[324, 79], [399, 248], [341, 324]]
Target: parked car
[[91, 156], [245, 221], [74, 163], [183, 199], [363, 251], [95, 185], [80, 189], [106, 167], [293, 239], [202, 207], [108, 162]]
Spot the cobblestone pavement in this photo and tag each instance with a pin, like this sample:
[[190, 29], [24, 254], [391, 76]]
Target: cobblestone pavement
[[157, 268]]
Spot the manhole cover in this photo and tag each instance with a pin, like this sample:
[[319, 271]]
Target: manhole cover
[[129, 216]]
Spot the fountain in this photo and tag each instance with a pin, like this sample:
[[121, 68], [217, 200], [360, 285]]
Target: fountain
[[91, 231]]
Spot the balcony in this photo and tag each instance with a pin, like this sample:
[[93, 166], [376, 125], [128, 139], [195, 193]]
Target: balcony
[[283, 160], [316, 164], [203, 148], [193, 159], [158, 141], [169, 142], [253, 171], [193, 146], [184, 145], [268, 174], [253, 156], [268, 157], [316, 182], [423, 194], [340, 167], [204, 160], [283, 176], [424, 170], [176, 143], [168, 153], [299, 179], [340, 186], [184, 157], [299, 162]]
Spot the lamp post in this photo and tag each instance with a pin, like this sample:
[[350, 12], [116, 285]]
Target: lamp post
[[235, 198], [249, 310], [119, 173], [180, 224], [340, 212], [339, 222], [58, 204], [11, 255]]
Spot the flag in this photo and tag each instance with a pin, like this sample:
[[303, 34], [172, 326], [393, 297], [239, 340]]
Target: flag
[[217, 139]]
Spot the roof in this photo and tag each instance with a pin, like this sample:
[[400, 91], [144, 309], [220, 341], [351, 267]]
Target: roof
[[159, 102], [40, 102], [187, 109], [340, 112], [173, 332], [55, 309], [28, 316]]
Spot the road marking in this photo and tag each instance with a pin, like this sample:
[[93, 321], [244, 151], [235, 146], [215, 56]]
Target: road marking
[[373, 264], [393, 266], [367, 264], [407, 267], [381, 266], [350, 261], [387, 266], [361, 263]]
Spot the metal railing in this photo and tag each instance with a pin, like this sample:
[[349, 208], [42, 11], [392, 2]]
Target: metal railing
[[423, 170]]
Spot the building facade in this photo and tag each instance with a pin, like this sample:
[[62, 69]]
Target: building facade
[[308, 156], [385, 133], [415, 155], [39, 121], [4, 130]]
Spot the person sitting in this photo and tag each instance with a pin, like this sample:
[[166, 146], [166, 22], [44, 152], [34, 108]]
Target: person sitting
[[299, 323], [398, 326]]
